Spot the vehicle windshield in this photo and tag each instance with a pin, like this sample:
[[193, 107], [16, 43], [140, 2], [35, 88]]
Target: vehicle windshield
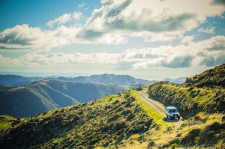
[[172, 110]]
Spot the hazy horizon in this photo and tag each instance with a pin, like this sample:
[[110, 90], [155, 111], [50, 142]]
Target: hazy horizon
[[146, 39], [70, 75]]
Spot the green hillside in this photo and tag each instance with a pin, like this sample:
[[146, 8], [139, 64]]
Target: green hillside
[[125, 121], [118, 121], [105, 122], [202, 93], [201, 102], [84, 92], [209, 78], [189, 100], [26, 101]]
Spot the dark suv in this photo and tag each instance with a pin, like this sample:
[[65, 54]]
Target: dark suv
[[172, 113]]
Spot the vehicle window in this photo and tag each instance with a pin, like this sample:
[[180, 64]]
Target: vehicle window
[[172, 110]]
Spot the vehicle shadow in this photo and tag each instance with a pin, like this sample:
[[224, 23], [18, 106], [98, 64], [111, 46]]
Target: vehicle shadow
[[170, 120]]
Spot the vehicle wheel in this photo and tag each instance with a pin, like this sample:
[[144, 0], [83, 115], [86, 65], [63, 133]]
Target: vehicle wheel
[[167, 117], [179, 118]]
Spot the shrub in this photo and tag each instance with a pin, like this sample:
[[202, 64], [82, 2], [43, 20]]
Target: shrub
[[173, 146]]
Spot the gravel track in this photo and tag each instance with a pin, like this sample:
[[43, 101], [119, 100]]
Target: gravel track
[[157, 106]]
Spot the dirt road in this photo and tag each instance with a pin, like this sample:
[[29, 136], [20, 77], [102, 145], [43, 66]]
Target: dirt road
[[157, 106]]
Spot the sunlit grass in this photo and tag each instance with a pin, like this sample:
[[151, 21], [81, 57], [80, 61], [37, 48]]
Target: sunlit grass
[[6, 122], [157, 117]]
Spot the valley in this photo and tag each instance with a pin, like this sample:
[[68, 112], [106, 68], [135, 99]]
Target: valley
[[112, 74], [39, 97], [130, 119]]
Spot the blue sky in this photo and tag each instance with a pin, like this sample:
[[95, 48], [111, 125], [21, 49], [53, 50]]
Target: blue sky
[[148, 39]]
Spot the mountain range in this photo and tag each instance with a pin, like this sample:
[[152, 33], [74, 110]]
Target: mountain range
[[179, 80], [38, 97], [124, 120], [14, 80]]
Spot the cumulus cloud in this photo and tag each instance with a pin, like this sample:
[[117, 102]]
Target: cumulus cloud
[[64, 18], [187, 39], [180, 56], [183, 61], [60, 20], [23, 37], [155, 20], [81, 5], [76, 15], [213, 60], [219, 2], [115, 22], [207, 30]]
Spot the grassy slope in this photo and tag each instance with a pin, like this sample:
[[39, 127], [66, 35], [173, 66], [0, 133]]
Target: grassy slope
[[104, 122], [125, 121], [26, 101], [209, 78], [79, 90], [189, 100], [6, 122], [204, 92], [31, 100], [201, 101], [117, 121]]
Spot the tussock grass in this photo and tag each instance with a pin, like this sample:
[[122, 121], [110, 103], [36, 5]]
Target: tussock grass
[[6, 122], [100, 123]]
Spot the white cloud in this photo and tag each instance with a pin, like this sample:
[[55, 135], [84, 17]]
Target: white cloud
[[187, 39], [115, 22], [208, 52], [23, 37], [160, 20], [76, 15], [60, 20], [64, 19], [81, 5], [207, 30]]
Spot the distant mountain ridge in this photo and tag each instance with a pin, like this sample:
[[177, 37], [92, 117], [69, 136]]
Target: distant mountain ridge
[[104, 122], [14, 80], [25, 101], [124, 120], [179, 80], [106, 79]]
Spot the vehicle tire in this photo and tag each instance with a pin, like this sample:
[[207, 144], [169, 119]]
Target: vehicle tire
[[167, 116], [179, 118]]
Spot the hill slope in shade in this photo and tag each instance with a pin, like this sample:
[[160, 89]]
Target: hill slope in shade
[[104, 122], [25, 101], [125, 121], [118, 121]]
